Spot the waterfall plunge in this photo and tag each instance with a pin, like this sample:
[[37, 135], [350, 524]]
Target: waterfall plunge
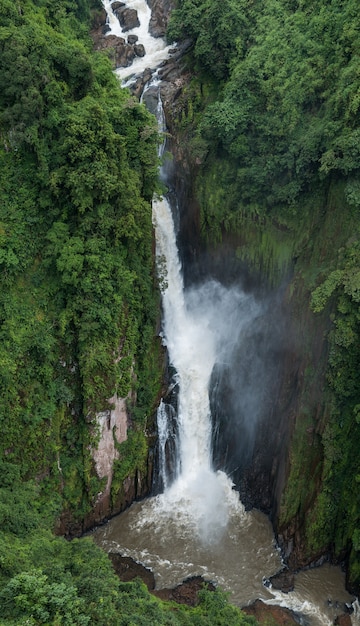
[[199, 328]]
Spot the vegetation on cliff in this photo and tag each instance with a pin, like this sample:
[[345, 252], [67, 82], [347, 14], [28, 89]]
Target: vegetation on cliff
[[78, 304], [78, 167], [78, 307], [272, 119]]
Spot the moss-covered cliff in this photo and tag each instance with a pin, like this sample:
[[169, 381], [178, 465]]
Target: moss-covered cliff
[[269, 115]]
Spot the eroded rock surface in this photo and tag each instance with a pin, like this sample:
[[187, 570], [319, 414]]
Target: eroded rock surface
[[112, 426], [267, 614], [283, 581], [127, 569]]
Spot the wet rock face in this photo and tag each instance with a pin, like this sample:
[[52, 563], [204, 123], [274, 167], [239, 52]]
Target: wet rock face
[[160, 13], [283, 581], [343, 620], [266, 614], [127, 569], [128, 18]]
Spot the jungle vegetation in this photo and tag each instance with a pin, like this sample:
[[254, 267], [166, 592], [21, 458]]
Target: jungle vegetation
[[78, 303], [272, 119], [272, 116], [45, 579]]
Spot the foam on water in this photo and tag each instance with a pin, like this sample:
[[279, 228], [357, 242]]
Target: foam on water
[[155, 47]]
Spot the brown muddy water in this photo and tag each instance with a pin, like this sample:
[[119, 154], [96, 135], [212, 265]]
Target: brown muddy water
[[237, 558]]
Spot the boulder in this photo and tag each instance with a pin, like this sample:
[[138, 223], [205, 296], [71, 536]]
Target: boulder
[[186, 592], [117, 5], [138, 87], [139, 50], [127, 569], [121, 54], [267, 614], [283, 581], [343, 620], [126, 57], [132, 39], [128, 18]]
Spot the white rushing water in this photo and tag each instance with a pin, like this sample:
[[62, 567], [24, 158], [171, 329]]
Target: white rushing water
[[155, 47], [196, 328], [198, 526]]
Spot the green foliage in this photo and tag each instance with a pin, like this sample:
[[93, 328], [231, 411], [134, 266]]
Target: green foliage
[[214, 27], [47, 580], [286, 116], [30, 594], [78, 167], [336, 516]]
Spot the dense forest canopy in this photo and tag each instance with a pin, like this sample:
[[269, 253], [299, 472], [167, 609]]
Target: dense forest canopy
[[272, 117], [288, 110], [78, 170]]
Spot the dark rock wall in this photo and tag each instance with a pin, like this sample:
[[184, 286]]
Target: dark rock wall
[[290, 342]]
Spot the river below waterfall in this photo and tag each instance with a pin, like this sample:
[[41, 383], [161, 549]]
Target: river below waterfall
[[198, 526], [237, 560]]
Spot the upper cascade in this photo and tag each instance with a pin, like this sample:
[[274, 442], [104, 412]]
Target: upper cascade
[[141, 50]]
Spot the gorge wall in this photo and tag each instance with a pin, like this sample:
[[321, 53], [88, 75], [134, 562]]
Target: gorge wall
[[285, 470]]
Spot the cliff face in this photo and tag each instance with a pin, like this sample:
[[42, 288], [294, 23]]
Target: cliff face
[[282, 471]]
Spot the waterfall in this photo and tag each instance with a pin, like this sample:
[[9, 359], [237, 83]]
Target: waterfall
[[197, 525], [200, 327]]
